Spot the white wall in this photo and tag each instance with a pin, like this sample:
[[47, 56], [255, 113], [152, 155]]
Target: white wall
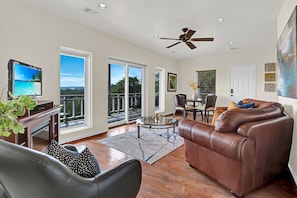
[[290, 103], [32, 36], [222, 63]]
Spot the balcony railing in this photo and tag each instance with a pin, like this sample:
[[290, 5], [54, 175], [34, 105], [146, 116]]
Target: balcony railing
[[72, 108]]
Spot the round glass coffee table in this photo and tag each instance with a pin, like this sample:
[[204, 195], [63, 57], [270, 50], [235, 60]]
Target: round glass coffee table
[[152, 122]]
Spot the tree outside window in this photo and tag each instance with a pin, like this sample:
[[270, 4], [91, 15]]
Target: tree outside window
[[206, 82]]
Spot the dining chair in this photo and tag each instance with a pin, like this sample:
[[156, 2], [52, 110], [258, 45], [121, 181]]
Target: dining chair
[[209, 106], [180, 105]]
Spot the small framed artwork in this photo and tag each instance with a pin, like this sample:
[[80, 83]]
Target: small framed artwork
[[171, 82], [270, 67], [270, 77], [270, 87]]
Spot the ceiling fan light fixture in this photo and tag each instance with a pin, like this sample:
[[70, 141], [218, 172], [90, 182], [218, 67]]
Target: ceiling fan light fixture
[[186, 38]]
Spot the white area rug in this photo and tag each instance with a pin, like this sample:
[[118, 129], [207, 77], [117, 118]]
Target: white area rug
[[150, 147]]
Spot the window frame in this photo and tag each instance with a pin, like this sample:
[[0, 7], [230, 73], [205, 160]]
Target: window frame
[[88, 56], [162, 89], [199, 78]]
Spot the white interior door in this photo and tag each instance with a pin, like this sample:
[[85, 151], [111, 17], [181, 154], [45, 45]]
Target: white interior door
[[242, 82]]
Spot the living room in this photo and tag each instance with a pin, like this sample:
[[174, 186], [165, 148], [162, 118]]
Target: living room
[[33, 36]]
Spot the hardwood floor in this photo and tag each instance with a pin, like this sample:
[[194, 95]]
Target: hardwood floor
[[172, 177]]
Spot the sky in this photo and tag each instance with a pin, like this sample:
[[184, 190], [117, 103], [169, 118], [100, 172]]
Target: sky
[[25, 73], [118, 73], [71, 71]]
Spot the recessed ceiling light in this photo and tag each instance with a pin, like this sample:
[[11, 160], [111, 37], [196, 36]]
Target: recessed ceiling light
[[231, 43], [156, 36], [220, 20], [102, 5]]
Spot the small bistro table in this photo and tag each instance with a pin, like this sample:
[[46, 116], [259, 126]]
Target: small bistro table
[[199, 100], [152, 122]]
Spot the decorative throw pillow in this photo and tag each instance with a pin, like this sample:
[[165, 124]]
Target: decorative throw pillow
[[239, 103], [247, 105], [216, 114], [85, 164], [62, 154], [231, 105], [244, 105]]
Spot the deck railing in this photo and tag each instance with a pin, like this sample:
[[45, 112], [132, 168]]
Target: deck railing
[[72, 106]]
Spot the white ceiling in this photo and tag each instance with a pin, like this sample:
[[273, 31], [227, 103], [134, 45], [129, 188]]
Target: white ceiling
[[249, 24]]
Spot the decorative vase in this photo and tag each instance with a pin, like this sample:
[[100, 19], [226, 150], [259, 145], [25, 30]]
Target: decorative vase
[[194, 95]]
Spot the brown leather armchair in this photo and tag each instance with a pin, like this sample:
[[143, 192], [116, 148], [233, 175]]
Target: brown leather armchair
[[245, 149]]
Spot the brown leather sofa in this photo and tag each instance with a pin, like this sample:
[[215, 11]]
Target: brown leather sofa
[[244, 149]]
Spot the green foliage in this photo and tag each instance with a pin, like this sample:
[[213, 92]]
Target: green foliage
[[207, 81], [134, 86], [10, 110]]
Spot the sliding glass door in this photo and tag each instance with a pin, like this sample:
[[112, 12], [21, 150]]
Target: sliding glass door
[[125, 92], [134, 92]]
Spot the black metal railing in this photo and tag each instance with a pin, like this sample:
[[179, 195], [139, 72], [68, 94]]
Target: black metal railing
[[72, 107]]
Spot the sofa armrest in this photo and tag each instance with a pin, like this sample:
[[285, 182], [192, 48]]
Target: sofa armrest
[[126, 178], [273, 139], [198, 132]]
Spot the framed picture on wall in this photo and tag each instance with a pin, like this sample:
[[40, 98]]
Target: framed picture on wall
[[171, 82], [287, 60]]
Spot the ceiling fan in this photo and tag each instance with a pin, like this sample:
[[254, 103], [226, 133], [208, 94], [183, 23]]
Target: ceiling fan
[[186, 38]]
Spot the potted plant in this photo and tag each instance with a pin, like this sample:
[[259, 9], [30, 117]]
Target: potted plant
[[10, 110]]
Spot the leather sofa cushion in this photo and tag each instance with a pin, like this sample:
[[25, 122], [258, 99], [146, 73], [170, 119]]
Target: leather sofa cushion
[[230, 120], [262, 104]]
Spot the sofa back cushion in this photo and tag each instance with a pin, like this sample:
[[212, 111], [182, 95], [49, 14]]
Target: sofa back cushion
[[230, 120], [262, 104]]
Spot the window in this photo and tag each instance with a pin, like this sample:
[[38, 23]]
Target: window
[[206, 83], [75, 80], [159, 89], [125, 92]]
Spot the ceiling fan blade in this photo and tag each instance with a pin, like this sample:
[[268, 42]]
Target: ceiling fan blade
[[202, 39], [190, 33], [173, 44], [191, 45], [170, 39]]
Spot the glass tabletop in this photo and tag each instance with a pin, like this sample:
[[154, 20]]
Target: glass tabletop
[[151, 120]]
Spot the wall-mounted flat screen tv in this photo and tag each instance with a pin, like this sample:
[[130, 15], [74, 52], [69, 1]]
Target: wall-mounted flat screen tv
[[24, 79]]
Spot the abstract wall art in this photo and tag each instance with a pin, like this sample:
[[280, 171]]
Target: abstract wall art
[[286, 60]]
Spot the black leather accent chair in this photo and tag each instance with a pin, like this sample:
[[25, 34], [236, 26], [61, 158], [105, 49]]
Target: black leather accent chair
[[27, 173], [180, 102]]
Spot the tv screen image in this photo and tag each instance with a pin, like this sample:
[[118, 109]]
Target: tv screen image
[[24, 79]]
